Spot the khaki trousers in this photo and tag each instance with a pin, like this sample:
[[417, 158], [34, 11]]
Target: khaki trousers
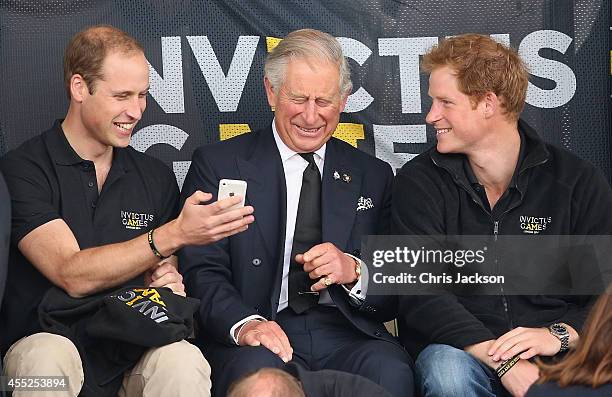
[[177, 369]]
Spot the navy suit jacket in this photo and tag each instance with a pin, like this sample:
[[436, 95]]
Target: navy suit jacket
[[241, 275]]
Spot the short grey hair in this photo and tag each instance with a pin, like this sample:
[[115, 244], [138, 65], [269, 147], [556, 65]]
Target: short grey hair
[[307, 44]]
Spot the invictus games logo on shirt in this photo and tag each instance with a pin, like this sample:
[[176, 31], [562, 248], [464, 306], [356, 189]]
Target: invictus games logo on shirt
[[135, 220], [534, 224]]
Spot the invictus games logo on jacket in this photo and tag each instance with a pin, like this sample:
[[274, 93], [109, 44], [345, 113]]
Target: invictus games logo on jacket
[[533, 224], [147, 301], [135, 220]]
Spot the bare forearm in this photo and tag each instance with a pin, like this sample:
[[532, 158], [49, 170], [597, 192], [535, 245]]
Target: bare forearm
[[53, 249], [169, 238], [99, 268], [55, 252]]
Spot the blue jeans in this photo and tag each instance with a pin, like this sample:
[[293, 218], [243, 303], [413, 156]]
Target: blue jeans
[[443, 370]]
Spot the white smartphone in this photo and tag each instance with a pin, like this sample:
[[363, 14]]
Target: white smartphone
[[231, 188]]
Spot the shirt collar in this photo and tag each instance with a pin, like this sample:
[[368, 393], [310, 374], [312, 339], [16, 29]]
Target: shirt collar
[[63, 154], [469, 173], [285, 152], [60, 148]]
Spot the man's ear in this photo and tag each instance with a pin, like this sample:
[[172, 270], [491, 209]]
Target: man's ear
[[78, 88], [270, 93], [343, 103], [491, 104]]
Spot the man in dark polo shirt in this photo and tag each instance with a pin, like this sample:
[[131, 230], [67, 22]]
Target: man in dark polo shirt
[[91, 214]]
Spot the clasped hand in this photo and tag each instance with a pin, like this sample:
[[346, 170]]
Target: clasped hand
[[529, 342], [326, 262], [165, 274]]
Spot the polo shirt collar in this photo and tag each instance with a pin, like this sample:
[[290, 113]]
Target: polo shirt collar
[[63, 154], [59, 147]]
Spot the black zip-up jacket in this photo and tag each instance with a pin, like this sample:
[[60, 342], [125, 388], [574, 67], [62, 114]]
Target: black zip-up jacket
[[437, 194]]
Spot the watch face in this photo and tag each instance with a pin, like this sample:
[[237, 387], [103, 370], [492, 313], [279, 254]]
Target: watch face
[[559, 329]]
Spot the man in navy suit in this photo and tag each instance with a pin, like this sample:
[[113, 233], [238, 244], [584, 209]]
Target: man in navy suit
[[292, 286]]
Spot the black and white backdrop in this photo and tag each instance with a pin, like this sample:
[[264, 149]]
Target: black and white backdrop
[[206, 61]]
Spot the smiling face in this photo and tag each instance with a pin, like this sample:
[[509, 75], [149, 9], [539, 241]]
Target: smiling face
[[460, 126], [308, 105], [111, 112]]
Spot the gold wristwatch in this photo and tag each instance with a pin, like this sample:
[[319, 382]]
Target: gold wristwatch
[[357, 269]]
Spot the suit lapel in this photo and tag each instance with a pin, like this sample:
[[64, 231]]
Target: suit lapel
[[339, 195], [266, 190]]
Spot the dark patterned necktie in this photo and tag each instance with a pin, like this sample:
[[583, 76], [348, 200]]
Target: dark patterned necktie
[[307, 234]]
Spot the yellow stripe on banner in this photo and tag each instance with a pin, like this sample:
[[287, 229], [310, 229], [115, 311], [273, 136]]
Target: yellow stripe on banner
[[272, 42], [227, 131], [349, 133]]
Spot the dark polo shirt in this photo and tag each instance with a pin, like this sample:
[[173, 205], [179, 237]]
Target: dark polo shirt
[[48, 180]]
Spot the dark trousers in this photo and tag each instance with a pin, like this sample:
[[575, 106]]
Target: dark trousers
[[322, 338]]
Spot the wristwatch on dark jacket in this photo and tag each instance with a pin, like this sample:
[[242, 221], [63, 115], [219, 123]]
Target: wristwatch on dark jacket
[[560, 331]]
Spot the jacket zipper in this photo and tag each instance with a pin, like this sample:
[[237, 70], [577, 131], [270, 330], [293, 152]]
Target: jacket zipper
[[495, 234], [503, 296], [495, 224]]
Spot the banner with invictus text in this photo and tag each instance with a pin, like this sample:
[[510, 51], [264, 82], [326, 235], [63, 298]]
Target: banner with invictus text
[[206, 67]]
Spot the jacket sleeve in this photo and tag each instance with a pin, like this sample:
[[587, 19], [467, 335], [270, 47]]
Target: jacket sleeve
[[418, 209], [382, 307], [207, 269]]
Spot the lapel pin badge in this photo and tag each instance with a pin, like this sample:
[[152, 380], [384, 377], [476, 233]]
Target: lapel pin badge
[[336, 175], [346, 178]]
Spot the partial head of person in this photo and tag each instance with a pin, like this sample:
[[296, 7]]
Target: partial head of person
[[307, 81], [266, 382], [106, 76], [476, 84]]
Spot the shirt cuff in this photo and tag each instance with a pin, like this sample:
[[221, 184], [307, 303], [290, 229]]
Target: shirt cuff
[[358, 293], [241, 323]]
